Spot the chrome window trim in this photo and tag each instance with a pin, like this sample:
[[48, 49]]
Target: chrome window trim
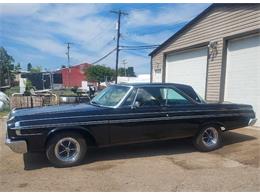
[[121, 101], [135, 97]]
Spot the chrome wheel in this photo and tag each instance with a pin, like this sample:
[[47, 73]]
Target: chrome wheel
[[67, 149], [210, 137]]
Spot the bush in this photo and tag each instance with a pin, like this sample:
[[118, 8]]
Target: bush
[[28, 87], [74, 89]]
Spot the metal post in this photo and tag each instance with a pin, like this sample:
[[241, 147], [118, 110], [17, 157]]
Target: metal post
[[118, 38]]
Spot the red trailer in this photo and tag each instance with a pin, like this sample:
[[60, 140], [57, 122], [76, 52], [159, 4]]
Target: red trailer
[[73, 76]]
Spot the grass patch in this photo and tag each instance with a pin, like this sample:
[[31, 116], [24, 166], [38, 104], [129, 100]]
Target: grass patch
[[12, 90], [64, 92], [4, 112]]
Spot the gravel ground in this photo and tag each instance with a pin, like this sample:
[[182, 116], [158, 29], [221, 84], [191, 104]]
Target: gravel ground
[[165, 166]]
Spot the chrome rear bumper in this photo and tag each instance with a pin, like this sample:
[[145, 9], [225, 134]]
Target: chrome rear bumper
[[252, 121], [19, 146]]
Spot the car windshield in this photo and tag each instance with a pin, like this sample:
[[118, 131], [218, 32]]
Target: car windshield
[[110, 96]]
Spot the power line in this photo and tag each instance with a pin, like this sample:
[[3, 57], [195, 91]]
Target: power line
[[108, 43], [100, 25], [138, 46], [119, 13], [134, 52], [142, 48], [105, 56]]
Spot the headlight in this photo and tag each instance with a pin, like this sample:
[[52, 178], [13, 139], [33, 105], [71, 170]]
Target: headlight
[[17, 124], [11, 118]]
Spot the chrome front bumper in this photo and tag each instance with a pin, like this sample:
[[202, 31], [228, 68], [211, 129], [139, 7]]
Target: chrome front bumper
[[19, 146], [252, 121]]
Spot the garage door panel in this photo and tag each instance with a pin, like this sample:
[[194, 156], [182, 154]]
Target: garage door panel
[[243, 72], [188, 67]]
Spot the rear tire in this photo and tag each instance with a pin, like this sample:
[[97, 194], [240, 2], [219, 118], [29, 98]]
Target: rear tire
[[66, 149], [208, 138]]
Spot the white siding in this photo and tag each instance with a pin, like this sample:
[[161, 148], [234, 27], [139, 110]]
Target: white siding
[[188, 67], [220, 22], [243, 72]]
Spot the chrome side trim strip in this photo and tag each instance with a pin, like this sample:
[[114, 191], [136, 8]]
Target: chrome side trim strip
[[134, 114], [18, 133], [126, 121]]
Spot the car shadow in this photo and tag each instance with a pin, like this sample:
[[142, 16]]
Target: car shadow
[[34, 161]]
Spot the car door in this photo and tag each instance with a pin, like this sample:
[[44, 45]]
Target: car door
[[139, 118], [179, 111]]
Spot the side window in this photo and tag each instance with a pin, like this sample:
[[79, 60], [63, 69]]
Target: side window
[[172, 97], [149, 96]]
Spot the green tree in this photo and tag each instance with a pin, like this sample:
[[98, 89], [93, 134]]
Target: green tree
[[6, 68], [17, 67], [130, 72], [28, 87], [99, 73], [126, 72], [36, 69], [122, 72], [29, 67]]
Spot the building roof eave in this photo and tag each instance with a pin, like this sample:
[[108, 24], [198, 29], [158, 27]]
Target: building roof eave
[[188, 25]]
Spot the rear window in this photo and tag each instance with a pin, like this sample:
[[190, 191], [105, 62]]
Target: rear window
[[190, 92]]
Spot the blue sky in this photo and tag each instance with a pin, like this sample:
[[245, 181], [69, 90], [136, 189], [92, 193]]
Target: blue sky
[[37, 33]]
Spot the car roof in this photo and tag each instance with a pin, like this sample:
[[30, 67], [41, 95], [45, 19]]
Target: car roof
[[186, 89], [154, 84]]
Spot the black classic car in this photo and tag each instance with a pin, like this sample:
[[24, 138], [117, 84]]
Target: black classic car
[[122, 114]]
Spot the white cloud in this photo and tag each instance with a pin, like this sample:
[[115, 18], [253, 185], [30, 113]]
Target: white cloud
[[45, 45], [46, 28], [92, 32], [77, 23], [62, 12], [168, 15], [19, 9]]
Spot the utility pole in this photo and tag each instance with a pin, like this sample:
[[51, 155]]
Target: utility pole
[[68, 55], [124, 63], [68, 52], [119, 13]]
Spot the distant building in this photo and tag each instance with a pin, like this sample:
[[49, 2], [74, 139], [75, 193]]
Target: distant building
[[141, 78], [43, 80], [73, 76]]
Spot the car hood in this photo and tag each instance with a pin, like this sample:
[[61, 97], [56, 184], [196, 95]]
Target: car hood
[[69, 108], [54, 114]]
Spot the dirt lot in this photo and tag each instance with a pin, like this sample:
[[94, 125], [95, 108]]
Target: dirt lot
[[164, 166]]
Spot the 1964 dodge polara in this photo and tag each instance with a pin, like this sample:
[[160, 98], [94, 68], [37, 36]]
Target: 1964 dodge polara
[[123, 114]]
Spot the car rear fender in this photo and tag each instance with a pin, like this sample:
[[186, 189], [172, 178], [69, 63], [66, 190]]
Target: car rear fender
[[215, 123]]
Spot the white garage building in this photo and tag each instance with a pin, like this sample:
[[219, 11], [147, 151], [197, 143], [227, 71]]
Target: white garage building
[[218, 53]]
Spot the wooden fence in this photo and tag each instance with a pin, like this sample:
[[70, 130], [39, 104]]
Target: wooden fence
[[32, 101]]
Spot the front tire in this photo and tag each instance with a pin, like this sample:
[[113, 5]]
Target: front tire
[[209, 138], [66, 149]]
